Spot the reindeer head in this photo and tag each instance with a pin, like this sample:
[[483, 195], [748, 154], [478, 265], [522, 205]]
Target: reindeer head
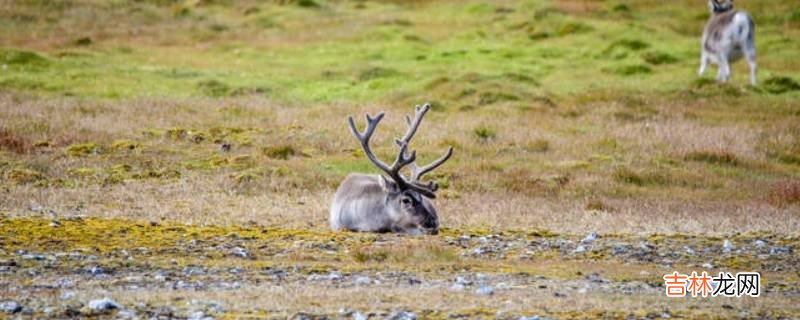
[[405, 196], [720, 6]]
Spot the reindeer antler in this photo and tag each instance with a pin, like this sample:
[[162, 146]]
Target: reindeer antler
[[402, 160]]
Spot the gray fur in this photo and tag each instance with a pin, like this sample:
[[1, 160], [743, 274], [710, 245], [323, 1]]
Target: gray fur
[[372, 203], [728, 36]]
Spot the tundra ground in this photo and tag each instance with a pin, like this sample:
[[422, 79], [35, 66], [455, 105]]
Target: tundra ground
[[180, 157]]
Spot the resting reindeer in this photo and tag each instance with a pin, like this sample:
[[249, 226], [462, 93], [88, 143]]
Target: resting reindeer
[[729, 35], [391, 203]]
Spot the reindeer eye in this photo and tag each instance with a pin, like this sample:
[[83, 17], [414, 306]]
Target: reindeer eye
[[406, 200]]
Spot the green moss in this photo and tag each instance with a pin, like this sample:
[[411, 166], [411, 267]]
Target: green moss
[[23, 58], [84, 149], [23, 176], [125, 145]]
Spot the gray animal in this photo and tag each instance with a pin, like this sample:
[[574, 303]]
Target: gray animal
[[391, 202], [728, 35]]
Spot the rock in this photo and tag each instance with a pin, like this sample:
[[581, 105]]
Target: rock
[[10, 306], [760, 243], [559, 295], [198, 315], [194, 271], [580, 249], [595, 277], [104, 304], [590, 238], [97, 270], [54, 223], [707, 265], [126, 314], [403, 315], [780, 250], [688, 250], [66, 295], [485, 291], [646, 247], [359, 316], [727, 246], [362, 280], [241, 252], [463, 281], [225, 147], [530, 318], [618, 250], [457, 287]]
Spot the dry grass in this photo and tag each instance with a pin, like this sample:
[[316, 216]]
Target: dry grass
[[150, 159]]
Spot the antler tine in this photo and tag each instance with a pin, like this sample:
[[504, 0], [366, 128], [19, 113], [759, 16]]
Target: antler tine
[[414, 125], [417, 172], [401, 161], [364, 137]]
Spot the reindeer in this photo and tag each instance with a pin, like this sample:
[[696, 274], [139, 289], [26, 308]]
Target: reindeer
[[391, 202], [728, 35]]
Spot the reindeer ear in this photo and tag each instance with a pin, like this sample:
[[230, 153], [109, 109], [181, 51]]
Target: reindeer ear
[[388, 185]]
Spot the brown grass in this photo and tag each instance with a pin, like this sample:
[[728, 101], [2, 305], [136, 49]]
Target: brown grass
[[785, 193], [510, 182]]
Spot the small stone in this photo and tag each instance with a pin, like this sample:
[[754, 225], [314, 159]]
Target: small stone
[[359, 316], [334, 276], [485, 291], [54, 223], [727, 246], [403, 315], [590, 238], [688, 250], [618, 250], [580, 249], [241, 252], [530, 318], [363, 280], [707, 266], [760, 243], [96, 270], [197, 315], [646, 247], [457, 287], [126, 314], [104, 304], [463, 281], [780, 250], [595, 277], [10, 306], [66, 295]]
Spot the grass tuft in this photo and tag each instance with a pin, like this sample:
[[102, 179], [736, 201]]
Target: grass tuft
[[484, 133], [778, 85], [785, 193], [659, 58], [714, 157], [84, 149], [283, 151]]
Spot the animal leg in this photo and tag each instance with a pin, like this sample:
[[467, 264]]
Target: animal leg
[[751, 60], [724, 72], [703, 64]]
